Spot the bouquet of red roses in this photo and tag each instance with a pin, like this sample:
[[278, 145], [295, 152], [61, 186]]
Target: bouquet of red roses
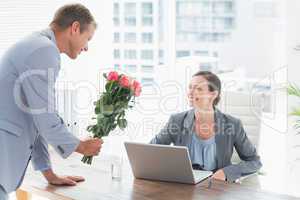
[[119, 95]]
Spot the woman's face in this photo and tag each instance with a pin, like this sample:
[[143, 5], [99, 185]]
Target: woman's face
[[199, 95]]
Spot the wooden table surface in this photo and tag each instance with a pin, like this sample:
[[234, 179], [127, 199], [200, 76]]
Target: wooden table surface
[[100, 185]]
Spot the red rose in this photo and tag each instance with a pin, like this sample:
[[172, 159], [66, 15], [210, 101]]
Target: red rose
[[124, 81], [138, 91], [113, 76], [136, 87]]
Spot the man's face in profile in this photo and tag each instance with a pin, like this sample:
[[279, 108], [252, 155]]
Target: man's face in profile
[[79, 40]]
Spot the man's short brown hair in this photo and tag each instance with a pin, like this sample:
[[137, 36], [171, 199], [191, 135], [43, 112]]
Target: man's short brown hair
[[66, 15]]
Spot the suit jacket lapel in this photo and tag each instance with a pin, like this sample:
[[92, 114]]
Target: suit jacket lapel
[[220, 138], [188, 127]]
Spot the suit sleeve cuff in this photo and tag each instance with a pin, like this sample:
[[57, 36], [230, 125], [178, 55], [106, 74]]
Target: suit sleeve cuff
[[65, 150], [41, 164], [44, 169], [232, 173]]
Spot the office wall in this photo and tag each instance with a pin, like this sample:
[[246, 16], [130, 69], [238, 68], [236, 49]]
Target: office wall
[[257, 44], [293, 61]]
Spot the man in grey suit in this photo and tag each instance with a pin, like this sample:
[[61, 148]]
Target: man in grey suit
[[28, 120]]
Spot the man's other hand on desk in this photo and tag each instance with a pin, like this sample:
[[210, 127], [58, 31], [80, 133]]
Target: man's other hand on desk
[[55, 179], [88, 147]]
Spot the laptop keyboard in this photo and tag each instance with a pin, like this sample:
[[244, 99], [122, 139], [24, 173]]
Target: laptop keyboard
[[199, 174]]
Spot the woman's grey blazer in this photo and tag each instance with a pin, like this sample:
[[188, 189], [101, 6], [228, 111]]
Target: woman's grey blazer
[[229, 134]]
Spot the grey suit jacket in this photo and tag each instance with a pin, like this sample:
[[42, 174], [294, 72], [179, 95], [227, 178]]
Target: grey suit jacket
[[28, 120], [229, 134]]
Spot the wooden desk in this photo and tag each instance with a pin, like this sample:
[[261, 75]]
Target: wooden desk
[[100, 185]]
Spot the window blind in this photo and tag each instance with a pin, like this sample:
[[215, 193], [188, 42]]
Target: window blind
[[20, 18]]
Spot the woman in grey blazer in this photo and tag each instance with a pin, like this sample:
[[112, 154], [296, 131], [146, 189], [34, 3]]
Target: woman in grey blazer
[[209, 134]]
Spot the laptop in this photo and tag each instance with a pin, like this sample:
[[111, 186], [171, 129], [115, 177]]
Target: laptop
[[163, 163]]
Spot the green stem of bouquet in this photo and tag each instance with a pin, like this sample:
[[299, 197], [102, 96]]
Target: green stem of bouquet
[[120, 88], [89, 159]]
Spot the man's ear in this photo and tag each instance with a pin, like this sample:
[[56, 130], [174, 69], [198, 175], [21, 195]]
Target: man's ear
[[75, 27]]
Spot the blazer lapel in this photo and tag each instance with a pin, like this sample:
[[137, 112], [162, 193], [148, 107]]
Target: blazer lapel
[[189, 119], [220, 139], [188, 127]]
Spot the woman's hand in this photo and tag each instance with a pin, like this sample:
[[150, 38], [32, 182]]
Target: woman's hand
[[219, 175], [54, 179]]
